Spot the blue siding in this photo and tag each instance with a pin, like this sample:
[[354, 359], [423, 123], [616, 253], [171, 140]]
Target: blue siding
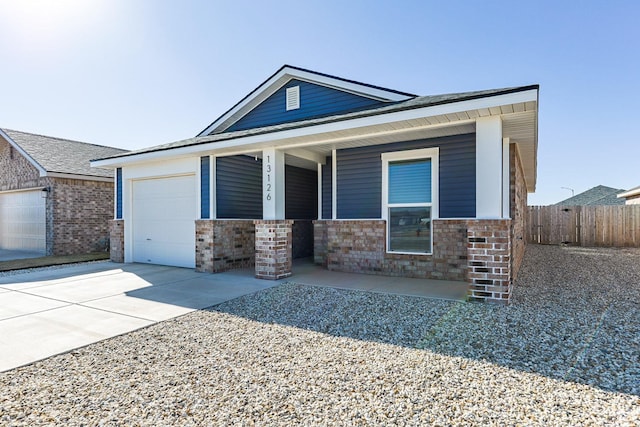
[[301, 193], [205, 187], [315, 101], [326, 189], [360, 177], [118, 193], [239, 187]]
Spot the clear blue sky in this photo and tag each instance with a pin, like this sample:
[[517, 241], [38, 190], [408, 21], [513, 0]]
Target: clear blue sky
[[133, 74]]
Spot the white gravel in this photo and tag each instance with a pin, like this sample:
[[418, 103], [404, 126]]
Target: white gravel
[[566, 352]]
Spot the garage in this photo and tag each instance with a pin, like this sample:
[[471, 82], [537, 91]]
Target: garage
[[163, 221], [22, 221]]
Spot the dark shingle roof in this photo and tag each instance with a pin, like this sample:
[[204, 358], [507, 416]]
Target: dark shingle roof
[[417, 102], [596, 196], [59, 155]]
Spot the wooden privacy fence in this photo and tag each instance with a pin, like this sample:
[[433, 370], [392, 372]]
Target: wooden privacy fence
[[616, 226]]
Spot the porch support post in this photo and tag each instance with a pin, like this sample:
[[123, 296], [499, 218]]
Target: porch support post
[[489, 167], [272, 184]]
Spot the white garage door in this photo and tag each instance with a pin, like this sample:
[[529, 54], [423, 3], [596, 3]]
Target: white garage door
[[22, 221], [163, 221]]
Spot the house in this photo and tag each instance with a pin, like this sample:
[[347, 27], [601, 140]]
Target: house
[[51, 200], [631, 197], [600, 195], [367, 179]]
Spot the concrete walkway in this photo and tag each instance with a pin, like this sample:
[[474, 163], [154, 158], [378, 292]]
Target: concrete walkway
[[53, 311]]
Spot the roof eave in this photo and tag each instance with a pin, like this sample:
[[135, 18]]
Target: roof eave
[[210, 143]]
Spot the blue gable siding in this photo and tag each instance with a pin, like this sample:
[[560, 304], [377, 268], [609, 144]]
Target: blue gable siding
[[360, 177], [315, 101], [118, 193], [238, 187], [326, 189], [205, 187], [301, 193]]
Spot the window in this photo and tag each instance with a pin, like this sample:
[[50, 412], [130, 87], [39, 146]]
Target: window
[[409, 199]]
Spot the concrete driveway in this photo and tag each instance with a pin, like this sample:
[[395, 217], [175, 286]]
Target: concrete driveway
[[48, 312]]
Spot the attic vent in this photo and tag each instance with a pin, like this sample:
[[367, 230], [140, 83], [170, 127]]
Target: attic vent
[[293, 98]]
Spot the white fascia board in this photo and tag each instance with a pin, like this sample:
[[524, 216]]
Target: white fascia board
[[629, 193], [252, 142], [79, 177], [353, 87], [279, 79], [24, 154]]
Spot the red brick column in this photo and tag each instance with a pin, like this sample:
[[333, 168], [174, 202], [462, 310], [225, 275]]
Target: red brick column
[[273, 248], [116, 240], [489, 257]]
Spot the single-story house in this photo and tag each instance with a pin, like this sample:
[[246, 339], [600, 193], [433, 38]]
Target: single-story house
[[600, 195], [364, 178], [631, 197], [51, 200]]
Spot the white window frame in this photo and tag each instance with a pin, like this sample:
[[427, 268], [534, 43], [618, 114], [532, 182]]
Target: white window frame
[[419, 154]]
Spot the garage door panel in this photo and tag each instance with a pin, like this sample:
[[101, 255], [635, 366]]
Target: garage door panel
[[164, 214], [22, 221]]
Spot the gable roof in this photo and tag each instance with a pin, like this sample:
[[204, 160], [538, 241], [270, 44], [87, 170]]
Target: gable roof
[[287, 73], [596, 196], [56, 156]]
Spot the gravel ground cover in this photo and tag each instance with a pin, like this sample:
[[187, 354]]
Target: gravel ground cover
[[566, 352]]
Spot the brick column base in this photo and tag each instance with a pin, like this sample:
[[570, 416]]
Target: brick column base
[[116, 240], [489, 258], [273, 249], [223, 245]]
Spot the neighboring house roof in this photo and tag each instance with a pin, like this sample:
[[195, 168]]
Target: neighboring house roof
[[634, 192], [596, 196], [61, 157], [393, 115]]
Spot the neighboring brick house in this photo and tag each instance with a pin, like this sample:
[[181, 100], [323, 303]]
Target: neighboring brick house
[[631, 197], [51, 200], [367, 179]]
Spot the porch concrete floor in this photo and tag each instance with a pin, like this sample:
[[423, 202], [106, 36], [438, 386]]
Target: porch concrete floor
[[307, 273]]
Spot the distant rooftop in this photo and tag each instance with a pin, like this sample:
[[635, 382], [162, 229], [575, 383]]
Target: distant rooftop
[[600, 195]]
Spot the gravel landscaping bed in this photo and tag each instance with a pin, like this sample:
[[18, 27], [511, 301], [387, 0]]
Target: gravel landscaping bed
[[566, 352]]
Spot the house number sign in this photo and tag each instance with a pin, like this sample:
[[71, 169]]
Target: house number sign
[[269, 170]]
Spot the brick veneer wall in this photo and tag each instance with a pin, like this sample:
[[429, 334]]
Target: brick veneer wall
[[116, 240], [80, 213], [518, 210], [223, 245], [320, 242], [476, 251], [16, 172], [489, 255], [273, 249], [360, 247]]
